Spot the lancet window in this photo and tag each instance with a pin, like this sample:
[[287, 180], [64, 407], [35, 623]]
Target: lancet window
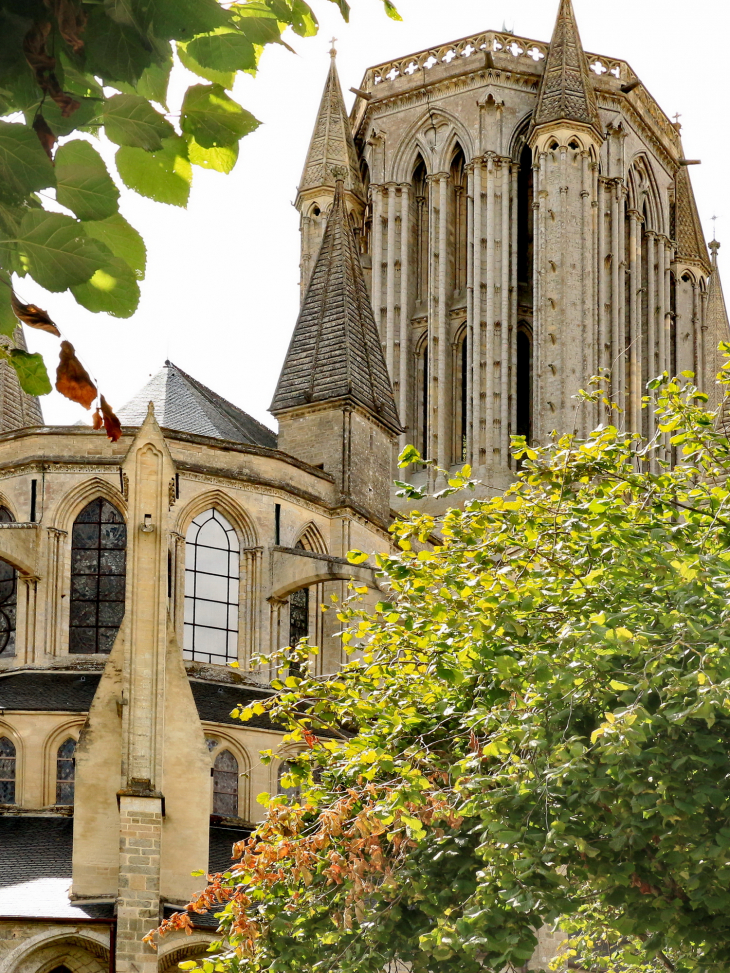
[[98, 577], [7, 771], [211, 589], [460, 195], [421, 191], [225, 785], [8, 598], [523, 381], [65, 772]]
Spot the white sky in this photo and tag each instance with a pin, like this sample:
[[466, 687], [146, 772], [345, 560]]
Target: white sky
[[221, 294]]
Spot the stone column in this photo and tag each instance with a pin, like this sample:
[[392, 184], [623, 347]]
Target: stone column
[[490, 279], [392, 191], [377, 294], [633, 356], [602, 361], [469, 311], [513, 303], [616, 356], [504, 357], [404, 319], [476, 358], [651, 337]]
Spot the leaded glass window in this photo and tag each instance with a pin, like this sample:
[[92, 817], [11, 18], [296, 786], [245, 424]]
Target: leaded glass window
[[65, 772], [8, 598], [7, 771], [225, 785], [211, 590], [98, 577]]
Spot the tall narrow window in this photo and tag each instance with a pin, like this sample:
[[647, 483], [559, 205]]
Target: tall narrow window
[[459, 185], [523, 384], [298, 616], [420, 195], [8, 598], [423, 397], [463, 397], [525, 227], [98, 577], [225, 785], [211, 590], [65, 772], [7, 771]]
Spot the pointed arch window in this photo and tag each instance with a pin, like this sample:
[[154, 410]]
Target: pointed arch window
[[8, 597], [459, 186], [65, 771], [8, 764], [211, 589], [98, 577], [225, 785], [421, 191]]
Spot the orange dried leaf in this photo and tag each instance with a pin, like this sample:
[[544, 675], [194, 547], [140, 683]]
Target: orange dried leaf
[[45, 135], [112, 425], [72, 379], [96, 421], [33, 316]]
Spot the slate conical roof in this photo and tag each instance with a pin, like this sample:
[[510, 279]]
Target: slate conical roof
[[335, 352], [184, 405], [332, 144], [688, 229], [566, 91], [18, 410]]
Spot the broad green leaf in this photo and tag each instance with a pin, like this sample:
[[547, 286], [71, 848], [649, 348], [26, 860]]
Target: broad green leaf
[[84, 116], [224, 78], [56, 252], [79, 84], [83, 183], [131, 120], [214, 119], [24, 166], [257, 22], [222, 159], [113, 289], [31, 371], [224, 50], [122, 239], [181, 20], [154, 82], [164, 176], [114, 51], [344, 8], [8, 321]]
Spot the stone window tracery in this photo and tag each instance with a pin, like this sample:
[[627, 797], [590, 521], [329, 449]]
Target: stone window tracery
[[98, 577], [225, 785], [211, 589], [65, 771], [8, 764], [8, 597]]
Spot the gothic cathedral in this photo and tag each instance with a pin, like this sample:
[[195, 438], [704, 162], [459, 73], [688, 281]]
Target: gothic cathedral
[[497, 220]]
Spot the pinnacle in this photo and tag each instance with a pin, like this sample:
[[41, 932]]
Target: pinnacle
[[335, 353], [566, 92], [332, 143]]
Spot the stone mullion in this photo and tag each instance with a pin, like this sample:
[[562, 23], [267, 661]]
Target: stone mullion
[[540, 211], [651, 338], [392, 191], [432, 336], [602, 358], [514, 296], [469, 312], [504, 330], [489, 344], [476, 359], [404, 318], [634, 360], [443, 326]]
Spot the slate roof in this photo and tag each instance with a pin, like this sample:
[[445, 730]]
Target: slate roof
[[566, 91], [688, 228], [35, 870], [215, 703], [18, 410], [335, 352], [332, 145], [185, 405], [63, 692]]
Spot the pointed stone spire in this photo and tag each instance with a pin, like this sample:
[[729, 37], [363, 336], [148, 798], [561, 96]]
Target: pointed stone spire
[[717, 329], [18, 410], [566, 91], [332, 143], [688, 229], [335, 353]]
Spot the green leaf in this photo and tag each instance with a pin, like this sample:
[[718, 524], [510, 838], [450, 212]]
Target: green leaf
[[113, 289], [122, 239], [222, 159], [84, 116], [224, 50], [257, 22], [214, 119], [224, 78], [344, 8], [303, 21], [408, 455], [357, 557], [391, 10], [31, 371], [182, 19], [154, 81], [8, 321], [77, 83], [24, 166], [164, 176], [131, 120], [83, 183], [56, 252], [114, 51]]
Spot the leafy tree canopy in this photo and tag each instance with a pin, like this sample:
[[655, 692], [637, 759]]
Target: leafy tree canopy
[[532, 731], [72, 69]]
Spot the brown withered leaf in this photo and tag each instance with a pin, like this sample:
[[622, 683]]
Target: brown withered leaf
[[33, 316], [46, 136], [96, 420], [112, 425], [44, 66], [72, 379], [71, 20]]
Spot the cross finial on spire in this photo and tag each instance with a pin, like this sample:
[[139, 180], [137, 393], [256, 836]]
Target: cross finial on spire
[[333, 49], [676, 119]]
